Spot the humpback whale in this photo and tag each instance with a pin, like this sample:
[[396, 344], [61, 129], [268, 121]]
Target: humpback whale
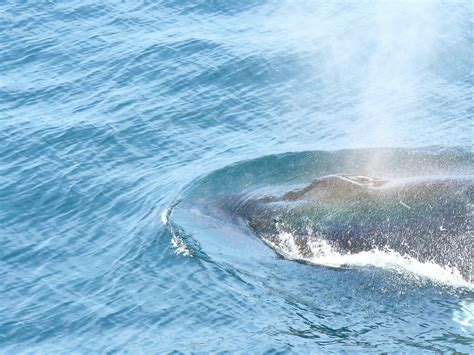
[[427, 218]]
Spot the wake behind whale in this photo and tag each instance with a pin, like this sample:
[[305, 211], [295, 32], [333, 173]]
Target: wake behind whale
[[416, 207]]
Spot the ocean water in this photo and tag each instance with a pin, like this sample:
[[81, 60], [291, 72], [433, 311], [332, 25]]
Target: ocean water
[[115, 116]]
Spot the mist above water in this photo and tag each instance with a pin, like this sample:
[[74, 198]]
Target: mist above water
[[385, 68]]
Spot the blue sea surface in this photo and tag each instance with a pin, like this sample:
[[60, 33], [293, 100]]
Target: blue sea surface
[[111, 113]]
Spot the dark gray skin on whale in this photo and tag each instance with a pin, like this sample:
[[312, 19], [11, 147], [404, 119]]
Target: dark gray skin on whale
[[428, 218]]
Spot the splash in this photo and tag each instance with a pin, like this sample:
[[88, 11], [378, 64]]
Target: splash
[[319, 252], [177, 242]]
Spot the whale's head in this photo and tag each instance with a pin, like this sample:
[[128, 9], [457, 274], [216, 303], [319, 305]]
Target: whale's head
[[428, 218]]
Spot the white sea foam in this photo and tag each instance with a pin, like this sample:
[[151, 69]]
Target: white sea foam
[[320, 252], [177, 242], [180, 247]]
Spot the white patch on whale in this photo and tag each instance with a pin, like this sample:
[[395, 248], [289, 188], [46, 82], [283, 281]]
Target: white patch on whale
[[323, 254]]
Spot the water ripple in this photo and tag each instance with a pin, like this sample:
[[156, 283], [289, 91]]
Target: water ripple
[[109, 111]]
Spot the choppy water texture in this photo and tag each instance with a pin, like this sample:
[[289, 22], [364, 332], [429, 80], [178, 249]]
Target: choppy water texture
[[111, 114]]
